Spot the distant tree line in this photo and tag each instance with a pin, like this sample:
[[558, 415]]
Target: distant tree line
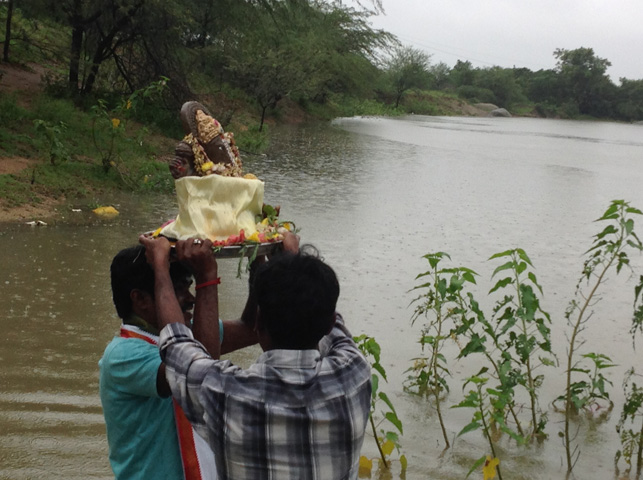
[[305, 50], [578, 85]]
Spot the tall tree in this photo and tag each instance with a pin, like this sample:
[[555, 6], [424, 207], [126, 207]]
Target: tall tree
[[462, 73], [440, 73], [502, 83], [584, 77], [408, 68], [7, 32], [629, 100], [300, 49]]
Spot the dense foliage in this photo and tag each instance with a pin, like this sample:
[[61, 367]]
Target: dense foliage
[[312, 52]]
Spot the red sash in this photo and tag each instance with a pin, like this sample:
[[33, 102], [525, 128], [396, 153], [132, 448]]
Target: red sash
[[196, 456]]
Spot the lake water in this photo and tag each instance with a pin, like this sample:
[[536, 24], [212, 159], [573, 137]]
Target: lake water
[[373, 195]]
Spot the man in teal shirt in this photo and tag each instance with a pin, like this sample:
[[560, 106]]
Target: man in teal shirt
[[137, 404]]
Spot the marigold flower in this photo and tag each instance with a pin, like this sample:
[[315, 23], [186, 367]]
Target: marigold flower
[[115, 122], [489, 468]]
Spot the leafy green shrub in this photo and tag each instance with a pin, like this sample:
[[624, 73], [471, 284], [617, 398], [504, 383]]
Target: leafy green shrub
[[11, 113], [476, 94]]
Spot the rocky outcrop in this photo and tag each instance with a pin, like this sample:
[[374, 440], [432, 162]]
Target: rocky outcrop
[[487, 107], [499, 112]]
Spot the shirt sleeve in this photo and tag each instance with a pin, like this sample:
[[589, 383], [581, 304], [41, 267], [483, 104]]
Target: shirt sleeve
[[132, 366], [187, 363], [338, 337]]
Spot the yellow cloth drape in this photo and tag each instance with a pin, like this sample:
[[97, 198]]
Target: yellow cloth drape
[[215, 207]]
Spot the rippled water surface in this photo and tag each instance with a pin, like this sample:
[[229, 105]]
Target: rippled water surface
[[374, 195]]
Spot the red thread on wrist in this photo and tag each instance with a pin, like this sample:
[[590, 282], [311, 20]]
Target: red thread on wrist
[[216, 281]]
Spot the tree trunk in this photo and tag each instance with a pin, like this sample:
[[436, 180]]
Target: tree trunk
[[106, 47], [398, 97], [74, 57], [7, 36], [99, 56], [263, 116]]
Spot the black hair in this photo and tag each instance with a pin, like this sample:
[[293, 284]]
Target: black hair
[[296, 295], [130, 271]]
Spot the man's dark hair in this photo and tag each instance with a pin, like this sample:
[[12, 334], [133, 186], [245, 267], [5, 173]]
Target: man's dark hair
[[296, 296], [130, 271]]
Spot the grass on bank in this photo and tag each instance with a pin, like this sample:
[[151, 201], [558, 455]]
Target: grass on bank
[[76, 153], [66, 146]]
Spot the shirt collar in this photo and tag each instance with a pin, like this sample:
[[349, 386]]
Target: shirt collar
[[296, 359], [137, 321]]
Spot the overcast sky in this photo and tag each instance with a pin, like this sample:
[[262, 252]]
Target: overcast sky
[[521, 33]]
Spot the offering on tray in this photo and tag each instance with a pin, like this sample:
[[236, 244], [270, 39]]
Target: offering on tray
[[215, 199]]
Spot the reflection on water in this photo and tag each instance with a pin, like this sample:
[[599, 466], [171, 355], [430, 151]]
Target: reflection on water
[[374, 195]]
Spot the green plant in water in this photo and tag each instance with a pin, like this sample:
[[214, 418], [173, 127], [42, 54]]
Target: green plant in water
[[488, 406], [591, 393], [516, 341], [442, 304], [607, 251], [58, 152], [630, 425], [386, 440], [524, 327]]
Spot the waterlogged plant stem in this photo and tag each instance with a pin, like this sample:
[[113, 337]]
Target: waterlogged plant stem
[[607, 249], [570, 360], [434, 366], [510, 404], [379, 447], [639, 454], [530, 377], [486, 428]]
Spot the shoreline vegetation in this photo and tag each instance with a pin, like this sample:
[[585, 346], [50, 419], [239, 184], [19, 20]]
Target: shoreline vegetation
[[51, 154], [90, 92]]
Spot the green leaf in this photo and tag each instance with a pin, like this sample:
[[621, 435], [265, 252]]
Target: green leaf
[[610, 212], [391, 417], [523, 256], [469, 428], [532, 277], [469, 276], [375, 380], [386, 400], [476, 465], [609, 230], [506, 253], [501, 284], [507, 266]]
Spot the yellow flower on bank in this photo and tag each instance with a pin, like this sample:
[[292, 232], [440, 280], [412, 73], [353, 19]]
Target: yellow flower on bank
[[115, 122], [129, 105], [489, 469]]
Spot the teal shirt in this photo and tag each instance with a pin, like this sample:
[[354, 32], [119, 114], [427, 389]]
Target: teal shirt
[[141, 433]]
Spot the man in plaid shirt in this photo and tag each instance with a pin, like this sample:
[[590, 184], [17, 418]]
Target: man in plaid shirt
[[300, 411]]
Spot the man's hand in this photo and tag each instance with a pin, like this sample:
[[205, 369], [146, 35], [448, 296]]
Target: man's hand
[[290, 243], [157, 250], [198, 254]]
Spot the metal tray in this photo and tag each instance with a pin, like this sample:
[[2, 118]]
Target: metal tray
[[235, 251]]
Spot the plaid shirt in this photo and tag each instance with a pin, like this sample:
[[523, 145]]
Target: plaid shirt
[[294, 414]]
